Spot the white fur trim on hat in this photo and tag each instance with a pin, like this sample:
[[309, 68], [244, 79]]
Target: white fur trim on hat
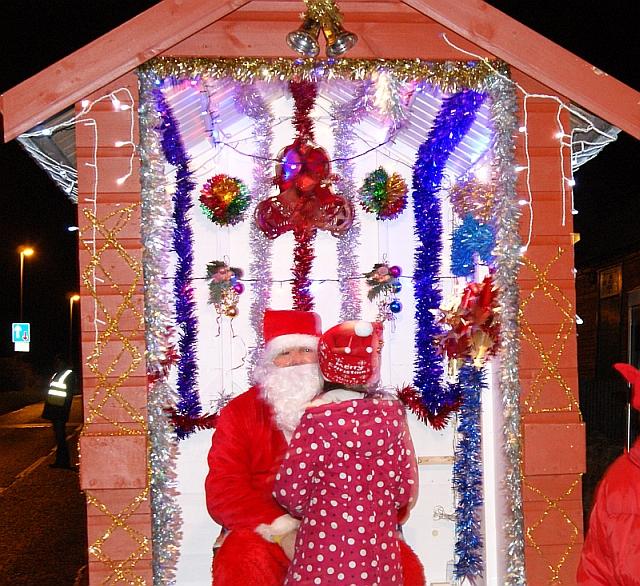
[[280, 526], [288, 342]]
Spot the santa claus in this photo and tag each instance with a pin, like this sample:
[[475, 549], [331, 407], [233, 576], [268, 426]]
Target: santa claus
[[249, 444]]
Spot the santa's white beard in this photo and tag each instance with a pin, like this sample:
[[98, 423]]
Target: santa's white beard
[[288, 390]]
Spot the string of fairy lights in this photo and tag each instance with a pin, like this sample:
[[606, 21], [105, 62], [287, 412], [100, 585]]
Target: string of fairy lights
[[565, 140]]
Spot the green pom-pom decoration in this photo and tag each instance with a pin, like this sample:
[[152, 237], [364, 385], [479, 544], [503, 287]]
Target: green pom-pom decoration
[[383, 195]]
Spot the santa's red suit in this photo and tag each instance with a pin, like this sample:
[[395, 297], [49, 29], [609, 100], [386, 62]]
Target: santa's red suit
[[244, 459]]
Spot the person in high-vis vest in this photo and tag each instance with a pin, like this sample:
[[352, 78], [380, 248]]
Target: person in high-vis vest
[[57, 406]]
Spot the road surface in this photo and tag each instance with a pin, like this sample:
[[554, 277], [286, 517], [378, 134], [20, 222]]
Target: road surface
[[42, 511]]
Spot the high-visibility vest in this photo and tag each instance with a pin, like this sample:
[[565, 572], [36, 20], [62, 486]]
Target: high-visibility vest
[[58, 391]]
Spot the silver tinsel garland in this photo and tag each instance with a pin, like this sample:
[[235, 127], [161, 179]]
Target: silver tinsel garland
[[344, 116], [250, 102], [156, 227], [156, 231], [507, 251]]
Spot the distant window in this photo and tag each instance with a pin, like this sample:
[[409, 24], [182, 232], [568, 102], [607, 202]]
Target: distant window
[[634, 328], [610, 282]]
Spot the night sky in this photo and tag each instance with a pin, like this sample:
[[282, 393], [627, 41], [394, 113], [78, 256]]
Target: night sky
[[37, 33]]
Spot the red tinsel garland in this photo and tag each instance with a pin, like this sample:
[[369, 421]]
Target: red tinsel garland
[[412, 399], [304, 96], [302, 260], [187, 424]]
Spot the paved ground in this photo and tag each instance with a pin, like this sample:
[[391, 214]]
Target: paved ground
[[43, 528]]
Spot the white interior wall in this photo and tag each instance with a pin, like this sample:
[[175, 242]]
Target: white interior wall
[[223, 343]]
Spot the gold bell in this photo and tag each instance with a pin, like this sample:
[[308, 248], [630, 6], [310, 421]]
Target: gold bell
[[339, 40], [304, 40]]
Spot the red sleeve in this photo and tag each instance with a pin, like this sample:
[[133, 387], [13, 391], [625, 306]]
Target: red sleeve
[[597, 559], [238, 489]]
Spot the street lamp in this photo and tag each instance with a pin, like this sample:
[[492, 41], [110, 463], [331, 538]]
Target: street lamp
[[72, 299], [24, 251]]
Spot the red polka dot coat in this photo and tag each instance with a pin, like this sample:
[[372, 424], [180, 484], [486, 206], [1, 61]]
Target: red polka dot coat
[[350, 466]]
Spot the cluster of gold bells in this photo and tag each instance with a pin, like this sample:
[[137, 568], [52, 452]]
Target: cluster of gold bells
[[321, 15]]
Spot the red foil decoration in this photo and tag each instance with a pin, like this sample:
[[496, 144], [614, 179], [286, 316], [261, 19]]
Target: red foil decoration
[[306, 202], [473, 328]]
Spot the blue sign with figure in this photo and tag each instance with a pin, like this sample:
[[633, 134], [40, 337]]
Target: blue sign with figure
[[21, 333]]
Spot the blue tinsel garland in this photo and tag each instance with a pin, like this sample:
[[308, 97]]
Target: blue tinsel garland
[[450, 126], [186, 321], [467, 476], [469, 238]]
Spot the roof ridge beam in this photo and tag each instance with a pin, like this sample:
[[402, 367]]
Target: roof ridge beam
[[539, 58]]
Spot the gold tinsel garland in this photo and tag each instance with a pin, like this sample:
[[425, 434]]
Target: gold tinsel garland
[[449, 76]]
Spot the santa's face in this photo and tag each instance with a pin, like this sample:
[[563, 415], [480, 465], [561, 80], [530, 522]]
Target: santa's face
[[295, 357], [289, 389]]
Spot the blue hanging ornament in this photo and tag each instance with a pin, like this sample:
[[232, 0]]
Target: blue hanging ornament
[[395, 306]]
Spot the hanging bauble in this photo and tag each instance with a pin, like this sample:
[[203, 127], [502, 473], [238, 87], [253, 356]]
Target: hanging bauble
[[302, 166], [383, 194], [395, 271], [223, 200], [473, 198], [395, 306], [383, 286], [224, 287]]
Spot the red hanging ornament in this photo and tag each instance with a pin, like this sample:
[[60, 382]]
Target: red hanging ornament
[[472, 328], [306, 202]]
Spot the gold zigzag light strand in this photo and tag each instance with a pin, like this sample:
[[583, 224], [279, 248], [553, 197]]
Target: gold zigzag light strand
[[123, 571], [550, 356], [107, 387], [551, 506]]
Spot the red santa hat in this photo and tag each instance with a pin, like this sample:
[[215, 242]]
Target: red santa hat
[[632, 375], [349, 353], [287, 328]]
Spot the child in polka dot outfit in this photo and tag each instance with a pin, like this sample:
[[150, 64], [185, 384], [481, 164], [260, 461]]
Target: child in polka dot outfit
[[349, 469]]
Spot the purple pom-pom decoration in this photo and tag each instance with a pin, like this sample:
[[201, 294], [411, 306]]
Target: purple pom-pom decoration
[[395, 271]]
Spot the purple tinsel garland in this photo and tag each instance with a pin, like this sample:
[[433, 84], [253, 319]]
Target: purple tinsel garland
[[186, 321], [456, 115], [467, 476]]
